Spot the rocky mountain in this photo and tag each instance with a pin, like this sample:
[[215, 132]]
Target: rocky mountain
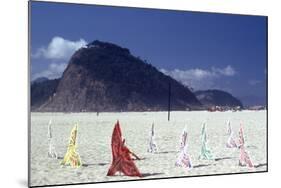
[[217, 98], [42, 91], [106, 77], [39, 80]]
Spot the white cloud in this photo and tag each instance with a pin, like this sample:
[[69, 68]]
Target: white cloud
[[199, 78], [227, 71], [54, 71], [59, 48]]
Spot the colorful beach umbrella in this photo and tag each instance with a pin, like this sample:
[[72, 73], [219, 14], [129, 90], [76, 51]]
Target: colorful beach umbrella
[[244, 158], [152, 146], [183, 138], [71, 157], [205, 152], [231, 143], [52, 151], [229, 128], [184, 159], [121, 156]]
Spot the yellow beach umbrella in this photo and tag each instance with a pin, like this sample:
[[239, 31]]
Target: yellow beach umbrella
[[71, 157]]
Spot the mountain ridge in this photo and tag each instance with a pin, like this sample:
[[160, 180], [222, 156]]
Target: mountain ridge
[[106, 77], [215, 97]]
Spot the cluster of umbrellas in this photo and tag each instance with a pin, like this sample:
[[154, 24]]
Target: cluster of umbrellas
[[71, 157], [123, 158], [184, 159]]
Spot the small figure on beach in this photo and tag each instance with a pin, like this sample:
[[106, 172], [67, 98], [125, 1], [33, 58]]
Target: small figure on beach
[[121, 156], [152, 147], [71, 157], [52, 151], [205, 153], [184, 159], [231, 143], [244, 159]]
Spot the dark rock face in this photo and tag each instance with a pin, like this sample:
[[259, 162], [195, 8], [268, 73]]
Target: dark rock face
[[106, 77], [217, 98], [42, 91]]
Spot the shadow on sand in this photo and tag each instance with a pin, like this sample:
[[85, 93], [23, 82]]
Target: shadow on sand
[[151, 174], [201, 165], [260, 165], [252, 146], [165, 152], [94, 164], [222, 158], [141, 159]]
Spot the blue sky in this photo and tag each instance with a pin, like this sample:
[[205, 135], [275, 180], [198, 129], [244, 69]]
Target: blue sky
[[201, 50]]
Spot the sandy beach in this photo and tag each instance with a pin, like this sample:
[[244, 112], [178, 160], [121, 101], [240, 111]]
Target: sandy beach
[[94, 144]]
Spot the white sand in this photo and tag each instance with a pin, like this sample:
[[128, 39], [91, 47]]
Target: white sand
[[94, 139]]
